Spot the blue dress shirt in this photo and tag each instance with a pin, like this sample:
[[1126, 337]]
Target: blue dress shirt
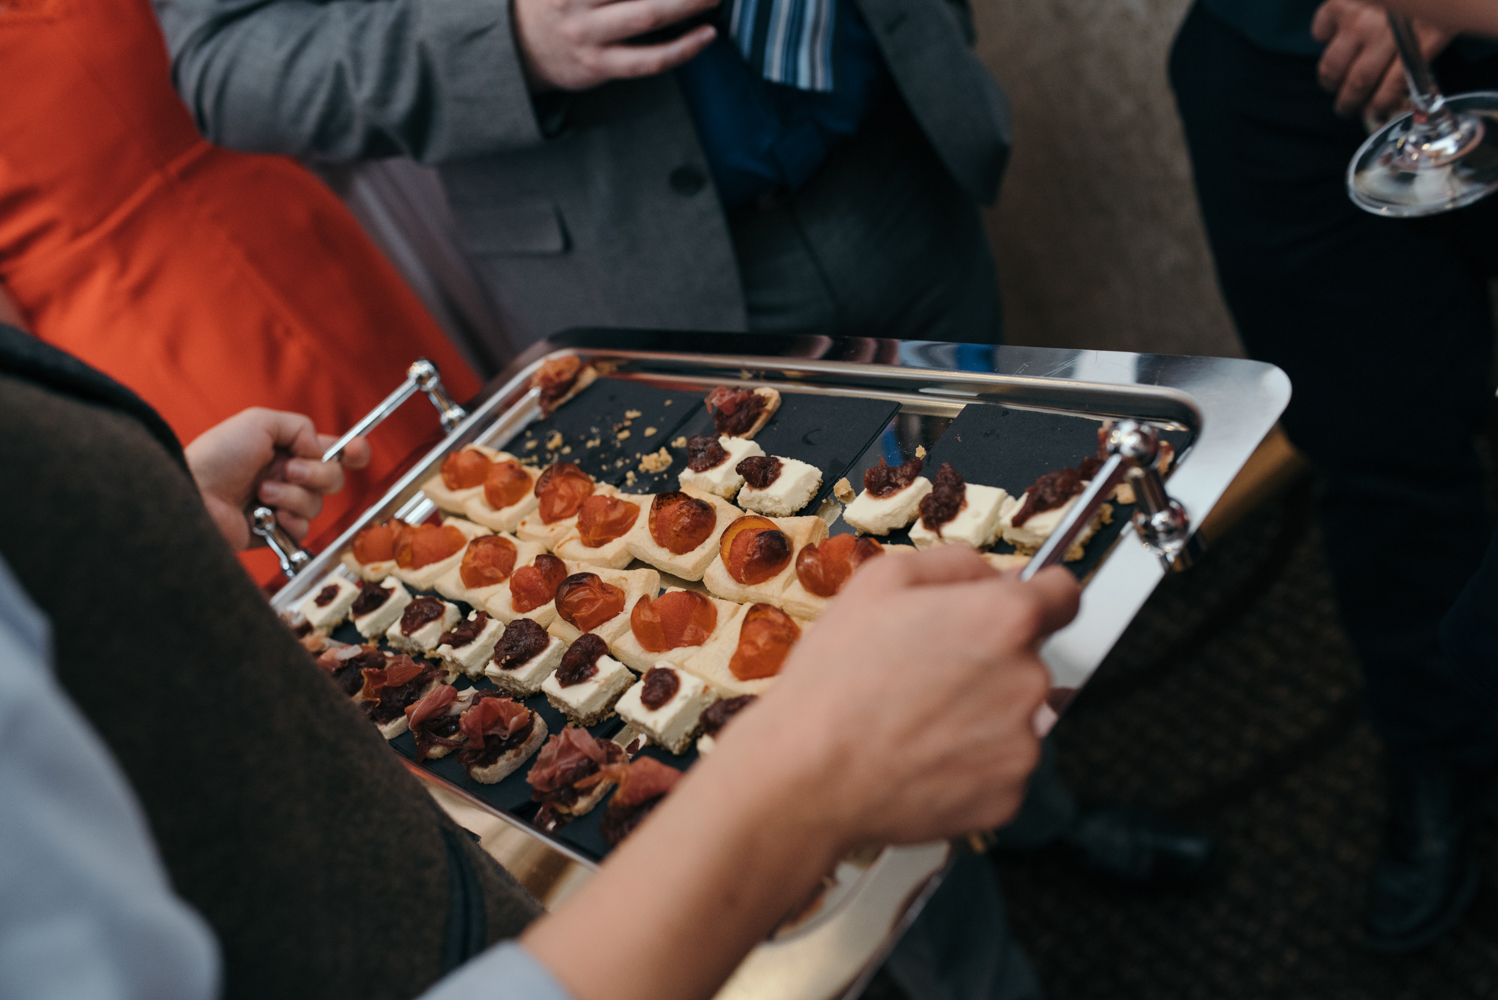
[[761, 137]]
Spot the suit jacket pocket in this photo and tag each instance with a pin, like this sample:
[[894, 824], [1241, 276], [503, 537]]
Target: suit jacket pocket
[[524, 229]]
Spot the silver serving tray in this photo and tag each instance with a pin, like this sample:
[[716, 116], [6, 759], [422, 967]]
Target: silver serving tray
[[1228, 404]]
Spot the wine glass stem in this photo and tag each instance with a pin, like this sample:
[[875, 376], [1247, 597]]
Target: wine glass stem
[[1424, 93]]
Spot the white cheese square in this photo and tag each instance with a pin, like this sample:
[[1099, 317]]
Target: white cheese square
[[673, 724], [423, 639], [387, 614], [1030, 536], [801, 531], [476, 508], [451, 586], [793, 489], [879, 516], [591, 701], [976, 524], [613, 554], [532, 529], [424, 577], [454, 501], [471, 657], [687, 565], [627, 649], [634, 582], [722, 479], [525, 679], [323, 608]]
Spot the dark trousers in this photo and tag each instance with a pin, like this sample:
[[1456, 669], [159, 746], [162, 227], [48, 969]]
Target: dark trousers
[[1385, 329], [881, 243], [323, 867]]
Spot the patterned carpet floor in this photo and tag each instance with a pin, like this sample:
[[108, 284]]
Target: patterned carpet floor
[[1234, 702]]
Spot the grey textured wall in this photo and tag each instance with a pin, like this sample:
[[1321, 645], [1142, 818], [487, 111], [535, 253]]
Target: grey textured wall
[[1096, 231]]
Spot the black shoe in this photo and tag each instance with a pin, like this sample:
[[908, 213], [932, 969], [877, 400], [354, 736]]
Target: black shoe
[[1427, 873], [1141, 848]]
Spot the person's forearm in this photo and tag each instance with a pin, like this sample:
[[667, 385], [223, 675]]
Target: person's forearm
[[352, 79], [673, 911]]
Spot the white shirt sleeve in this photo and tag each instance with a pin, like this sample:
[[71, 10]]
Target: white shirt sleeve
[[86, 910], [505, 972]]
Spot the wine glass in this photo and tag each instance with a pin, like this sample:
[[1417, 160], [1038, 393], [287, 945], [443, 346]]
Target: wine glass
[[1440, 156]]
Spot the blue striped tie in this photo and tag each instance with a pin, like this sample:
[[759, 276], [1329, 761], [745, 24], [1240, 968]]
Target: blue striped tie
[[786, 41]]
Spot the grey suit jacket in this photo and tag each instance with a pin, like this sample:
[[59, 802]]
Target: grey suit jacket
[[587, 209]]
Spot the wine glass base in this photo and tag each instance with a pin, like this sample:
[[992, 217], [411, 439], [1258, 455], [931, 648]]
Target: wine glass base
[[1395, 175]]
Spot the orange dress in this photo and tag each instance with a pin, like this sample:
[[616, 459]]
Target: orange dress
[[206, 280]]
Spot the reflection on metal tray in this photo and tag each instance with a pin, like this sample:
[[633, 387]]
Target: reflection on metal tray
[[1215, 410]]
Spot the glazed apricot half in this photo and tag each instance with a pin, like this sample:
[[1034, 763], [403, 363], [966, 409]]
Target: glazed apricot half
[[602, 519], [463, 470], [680, 618], [426, 544], [587, 602], [765, 640], [562, 489], [824, 568], [376, 543], [753, 549], [488, 560], [535, 585], [506, 484], [680, 523]]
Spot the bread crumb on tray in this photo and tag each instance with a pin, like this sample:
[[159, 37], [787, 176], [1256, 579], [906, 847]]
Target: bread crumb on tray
[[658, 461], [843, 490]]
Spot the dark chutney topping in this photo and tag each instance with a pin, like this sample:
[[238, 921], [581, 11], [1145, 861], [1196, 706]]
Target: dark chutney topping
[[620, 823], [466, 632], [419, 612], [886, 480], [372, 597], [948, 496], [1047, 493], [581, 660], [704, 452], [495, 747], [734, 410], [326, 596], [522, 642], [349, 675], [759, 471], [660, 687], [719, 712]]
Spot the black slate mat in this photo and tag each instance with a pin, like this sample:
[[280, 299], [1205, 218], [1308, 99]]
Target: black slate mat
[[587, 429], [828, 432]]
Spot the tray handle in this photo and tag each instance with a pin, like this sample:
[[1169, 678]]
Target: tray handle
[[421, 376]]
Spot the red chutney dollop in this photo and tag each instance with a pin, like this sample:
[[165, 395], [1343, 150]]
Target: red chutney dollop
[[765, 639], [581, 660], [587, 602], [1049, 492], [506, 484], [753, 549], [326, 595], [466, 631], [488, 560], [377, 542], [948, 496], [680, 618], [734, 411], [371, 597], [562, 489], [419, 612], [520, 643], [535, 585], [885, 480], [602, 519], [463, 470], [705, 451], [658, 686], [680, 523], [759, 471], [719, 712], [427, 544], [824, 568]]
